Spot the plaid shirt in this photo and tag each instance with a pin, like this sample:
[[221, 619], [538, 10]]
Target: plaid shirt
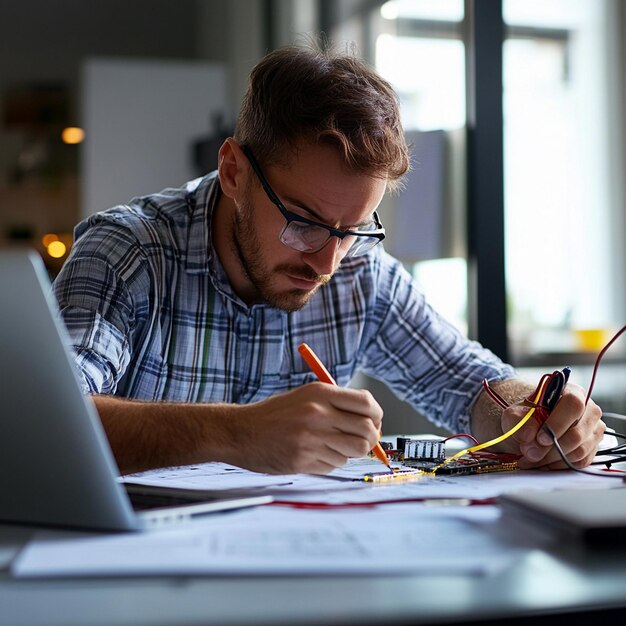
[[152, 316]]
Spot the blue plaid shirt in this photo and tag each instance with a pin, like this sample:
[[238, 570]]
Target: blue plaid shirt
[[152, 316]]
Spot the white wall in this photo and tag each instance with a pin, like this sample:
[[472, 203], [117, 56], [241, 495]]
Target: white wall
[[141, 119]]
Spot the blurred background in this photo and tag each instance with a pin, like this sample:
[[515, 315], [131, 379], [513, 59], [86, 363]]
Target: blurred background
[[521, 246]]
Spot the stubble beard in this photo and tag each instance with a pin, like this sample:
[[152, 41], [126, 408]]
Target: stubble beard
[[259, 271]]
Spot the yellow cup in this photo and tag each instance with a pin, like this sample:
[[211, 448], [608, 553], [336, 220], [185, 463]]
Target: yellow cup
[[591, 339]]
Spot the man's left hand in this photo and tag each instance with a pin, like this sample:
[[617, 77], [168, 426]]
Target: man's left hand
[[577, 427]]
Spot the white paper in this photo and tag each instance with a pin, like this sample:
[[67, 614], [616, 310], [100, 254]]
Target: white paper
[[337, 487], [207, 476], [277, 540], [399, 538]]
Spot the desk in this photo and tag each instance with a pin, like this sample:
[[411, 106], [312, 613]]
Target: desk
[[567, 579]]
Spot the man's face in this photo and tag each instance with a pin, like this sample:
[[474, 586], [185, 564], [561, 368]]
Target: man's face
[[316, 186]]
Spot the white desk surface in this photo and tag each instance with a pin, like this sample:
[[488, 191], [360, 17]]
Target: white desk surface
[[568, 578]]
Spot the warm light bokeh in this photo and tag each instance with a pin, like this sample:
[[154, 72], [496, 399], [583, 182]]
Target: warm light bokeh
[[56, 249], [72, 135]]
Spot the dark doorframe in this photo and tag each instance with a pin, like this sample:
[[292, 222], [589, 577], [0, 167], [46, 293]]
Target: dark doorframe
[[485, 175]]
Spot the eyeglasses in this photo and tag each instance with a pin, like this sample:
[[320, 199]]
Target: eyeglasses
[[305, 235]]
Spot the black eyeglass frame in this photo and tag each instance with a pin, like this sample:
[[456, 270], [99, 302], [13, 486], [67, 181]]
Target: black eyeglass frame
[[379, 233]]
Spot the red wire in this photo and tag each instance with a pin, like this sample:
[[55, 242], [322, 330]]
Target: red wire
[[498, 399], [345, 505], [462, 435], [595, 367], [494, 395], [540, 412]]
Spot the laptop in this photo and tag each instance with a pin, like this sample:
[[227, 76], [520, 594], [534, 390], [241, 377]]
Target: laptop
[[56, 466]]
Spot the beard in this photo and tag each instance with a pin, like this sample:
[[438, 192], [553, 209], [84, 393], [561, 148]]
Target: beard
[[264, 277]]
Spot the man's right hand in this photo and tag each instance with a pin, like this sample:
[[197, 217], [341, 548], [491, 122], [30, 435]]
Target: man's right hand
[[312, 429]]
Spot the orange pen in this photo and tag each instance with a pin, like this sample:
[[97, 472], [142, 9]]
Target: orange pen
[[318, 368]]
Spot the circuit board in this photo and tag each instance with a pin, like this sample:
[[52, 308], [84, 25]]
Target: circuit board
[[416, 458]]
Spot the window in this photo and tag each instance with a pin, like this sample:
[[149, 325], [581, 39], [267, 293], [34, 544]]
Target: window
[[419, 49], [564, 196], [562, 278]]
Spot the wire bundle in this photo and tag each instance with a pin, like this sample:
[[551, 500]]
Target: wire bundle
[[541, 403]]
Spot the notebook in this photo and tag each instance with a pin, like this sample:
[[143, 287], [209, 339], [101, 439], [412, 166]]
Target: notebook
[[56, 466], [591, 516]]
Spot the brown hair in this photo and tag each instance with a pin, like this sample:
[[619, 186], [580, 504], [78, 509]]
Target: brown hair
[[319, 96]]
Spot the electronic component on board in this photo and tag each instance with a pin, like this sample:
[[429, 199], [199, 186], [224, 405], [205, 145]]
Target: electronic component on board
[[464, 465], [428, 450], [417, 458], [429, 456]]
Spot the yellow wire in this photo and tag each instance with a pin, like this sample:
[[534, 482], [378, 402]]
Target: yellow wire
[[498, 439]]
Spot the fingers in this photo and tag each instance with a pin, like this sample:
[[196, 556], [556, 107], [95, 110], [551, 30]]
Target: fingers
[[346, 411], [321, 452], [335, 452], [320, 459], [569, 411], [578, 429], [512, 416], [348, 427], [352, 401], [578, 451], [312, 429], [350, 446]]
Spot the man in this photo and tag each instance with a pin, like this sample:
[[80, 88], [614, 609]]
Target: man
[[186, 307]]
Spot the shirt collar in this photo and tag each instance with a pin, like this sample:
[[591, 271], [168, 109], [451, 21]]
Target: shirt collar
[[202, 201], [201, 255]]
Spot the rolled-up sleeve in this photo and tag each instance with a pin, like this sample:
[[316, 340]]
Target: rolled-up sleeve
[[98, 310]]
